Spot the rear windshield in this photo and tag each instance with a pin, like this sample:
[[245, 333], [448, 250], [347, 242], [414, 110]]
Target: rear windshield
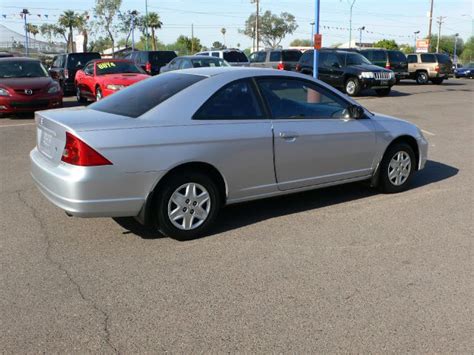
[[78, 60], [396, 57], [235, 57], [162, 57], [291, 56], [443, 58], [139, 98]]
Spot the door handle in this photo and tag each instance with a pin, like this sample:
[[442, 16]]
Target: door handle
[[289, 136]]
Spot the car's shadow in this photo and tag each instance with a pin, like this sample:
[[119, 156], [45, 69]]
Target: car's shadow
[[240, 215]]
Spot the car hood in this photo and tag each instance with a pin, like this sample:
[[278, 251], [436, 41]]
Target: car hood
[[368, 67], [26, 83], [123, 79]]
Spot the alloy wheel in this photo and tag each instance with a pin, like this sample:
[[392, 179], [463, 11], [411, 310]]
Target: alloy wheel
[[189, 206], [399, 168], [350, 87]]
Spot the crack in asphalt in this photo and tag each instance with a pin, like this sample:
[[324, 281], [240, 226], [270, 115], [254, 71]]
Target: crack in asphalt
[[61, 268]]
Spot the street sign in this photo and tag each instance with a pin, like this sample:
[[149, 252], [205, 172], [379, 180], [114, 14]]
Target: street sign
[[318, 41], [422, 45]]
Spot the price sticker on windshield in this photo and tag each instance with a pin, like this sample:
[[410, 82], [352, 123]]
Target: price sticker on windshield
[[105, 65]]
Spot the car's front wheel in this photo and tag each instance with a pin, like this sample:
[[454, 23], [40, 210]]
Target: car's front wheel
[[187, 205], [79, 97], [352, 87], [383, 92], [98, 94], [396, 168]]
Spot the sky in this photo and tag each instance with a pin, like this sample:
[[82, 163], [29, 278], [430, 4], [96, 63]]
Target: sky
[[389, 19]]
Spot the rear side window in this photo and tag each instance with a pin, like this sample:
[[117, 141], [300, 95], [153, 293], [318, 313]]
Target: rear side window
[[215, 54], [235, 101], [78, 60], [291, 56], [275, 56], [428, 58], [378, 56], [235, 57], [412, 58], [396, 57], [163, 57], [443, 58], [139, 98]]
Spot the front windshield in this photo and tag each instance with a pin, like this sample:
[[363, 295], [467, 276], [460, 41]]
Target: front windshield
[[355, 59], [116, 67], [209, 62], [22, 69]]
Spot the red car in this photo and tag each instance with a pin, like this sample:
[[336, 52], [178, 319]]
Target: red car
[[25, 86], [103, 77]]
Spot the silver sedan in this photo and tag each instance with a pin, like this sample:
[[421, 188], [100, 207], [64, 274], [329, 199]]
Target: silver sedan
[[173, 149]]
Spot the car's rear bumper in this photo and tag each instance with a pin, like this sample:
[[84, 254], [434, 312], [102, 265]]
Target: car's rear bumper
[[17, 104], [90, 191]]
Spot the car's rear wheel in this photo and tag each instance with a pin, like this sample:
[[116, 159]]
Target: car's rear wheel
[[383, 92], [396, 168], [79, 97], [422, 77], [352, 86], [98, 94], [187, 205], [437, 81]]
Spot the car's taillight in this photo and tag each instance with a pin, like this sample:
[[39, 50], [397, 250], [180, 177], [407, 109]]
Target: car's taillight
[[280, 66], [298, 67], [437, 69], [148, 67], [66, 73], [76, 152], [388, 66]]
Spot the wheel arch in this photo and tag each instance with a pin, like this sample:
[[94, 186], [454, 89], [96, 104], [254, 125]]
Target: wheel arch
[[145, 216]]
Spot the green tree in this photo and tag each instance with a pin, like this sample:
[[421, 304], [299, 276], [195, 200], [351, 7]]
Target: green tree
[[106, 11], [386, 43], [301, 43], [153, 22], [68, 19], [125, 24], [186, 45], [446, 44], [406, 48], [33, 29], [467, 54], [47, 30], [218, 45], [272, 28], [100, 44]]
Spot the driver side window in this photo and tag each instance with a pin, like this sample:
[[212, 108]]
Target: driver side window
[[89, 69], [300, 99]]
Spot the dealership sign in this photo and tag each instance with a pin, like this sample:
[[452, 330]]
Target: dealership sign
[[422, 45]]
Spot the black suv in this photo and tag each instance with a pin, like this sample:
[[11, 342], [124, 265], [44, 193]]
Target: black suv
[[349, 71], [151, 61], [388, 59], [65, 66]]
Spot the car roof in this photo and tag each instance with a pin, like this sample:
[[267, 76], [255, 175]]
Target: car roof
[[198, 56]]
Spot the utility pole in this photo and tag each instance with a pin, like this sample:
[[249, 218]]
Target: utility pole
[[350, 22], [192, 38], [312, 33], [455, 56], [134, 14], [26, 12], [146, 24], [415, 35], [431, 22], [257, 15], [316, 31], [440, 22]]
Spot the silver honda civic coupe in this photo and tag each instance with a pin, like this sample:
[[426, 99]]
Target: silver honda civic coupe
[[173, 149]]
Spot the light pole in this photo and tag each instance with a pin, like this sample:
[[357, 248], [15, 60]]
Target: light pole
[[455, 57], [316, 30], [134, 14], [415, 34], [26, 12], [312, 32], [360, 36], [146, 24], [350, 22]]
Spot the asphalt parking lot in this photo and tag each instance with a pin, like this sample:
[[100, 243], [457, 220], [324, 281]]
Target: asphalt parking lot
[[342, 269]]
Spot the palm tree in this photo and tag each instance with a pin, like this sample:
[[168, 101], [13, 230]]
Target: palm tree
[[153, 22], [47, 30], [83, 27], [223, 31], [33, 29], [69, 20]]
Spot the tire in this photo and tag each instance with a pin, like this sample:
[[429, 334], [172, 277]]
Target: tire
[[186, 224], [383, 92], [391, 181], [352, 86], [422, 78], [79, 98], [98, 94], [437, 81]]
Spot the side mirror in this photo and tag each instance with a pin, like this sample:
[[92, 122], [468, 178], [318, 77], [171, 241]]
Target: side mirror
[[356, 112]]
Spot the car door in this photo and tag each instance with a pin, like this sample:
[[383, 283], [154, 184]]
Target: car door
[[336, 73], [88, 81], [315, 141]]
